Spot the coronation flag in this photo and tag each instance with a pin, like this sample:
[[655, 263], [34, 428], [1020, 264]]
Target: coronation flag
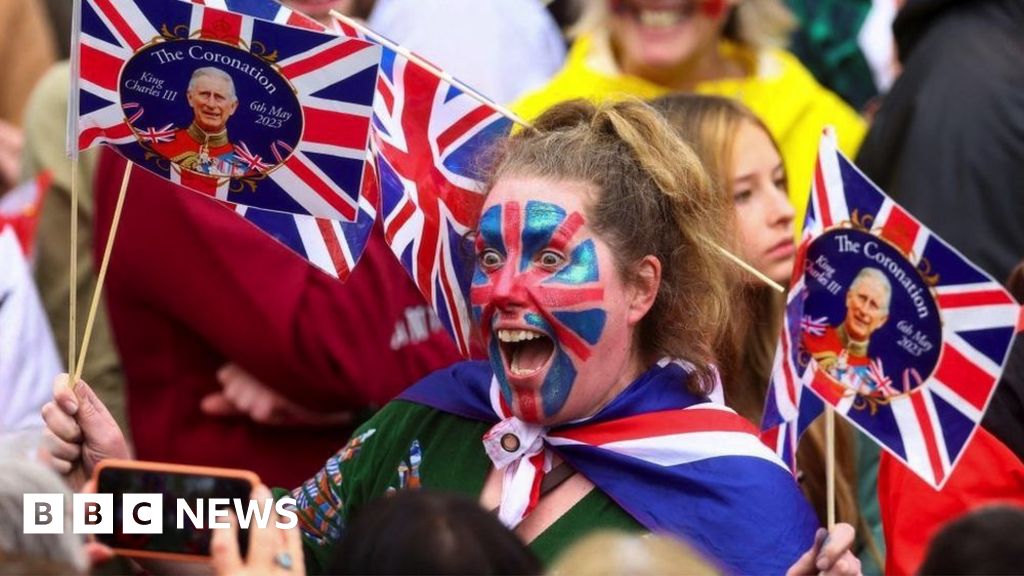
[[428, 135], [889, 325], [284, 126]]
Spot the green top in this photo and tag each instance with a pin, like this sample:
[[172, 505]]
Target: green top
[[408, 445]]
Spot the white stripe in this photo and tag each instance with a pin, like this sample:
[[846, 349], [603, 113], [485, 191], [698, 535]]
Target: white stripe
[[196, 22], [114, 50], [972, 354], [980, 317], [495, 395], [331, 150], [920, 242], [676, 449], [883, 214], [940, 440], [134, 17], [306, 196], [829, 155], [336, 106], [313, 243], [100, 92], [940, 389], [332, 72], [346, 250], [913, 439], [966, 288]]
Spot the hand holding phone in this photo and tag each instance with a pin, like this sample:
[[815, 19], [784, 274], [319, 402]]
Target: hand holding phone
[[272, 549], [166, 511]]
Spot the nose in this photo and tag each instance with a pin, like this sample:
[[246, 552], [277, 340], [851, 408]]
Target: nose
[[509, 288], [781, 209]]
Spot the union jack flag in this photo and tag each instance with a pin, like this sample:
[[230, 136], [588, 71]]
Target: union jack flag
[[927, 423], [333, 246], [333, 78], [428, 134]]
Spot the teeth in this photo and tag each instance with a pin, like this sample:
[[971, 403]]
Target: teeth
[[659, 18], [517, 335]]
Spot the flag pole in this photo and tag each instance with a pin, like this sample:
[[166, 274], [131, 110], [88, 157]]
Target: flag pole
[[103, 272], [430, 68], [513, 117], [73, 272], [830, 464]]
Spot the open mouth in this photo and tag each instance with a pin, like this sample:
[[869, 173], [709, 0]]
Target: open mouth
[[658, 16], [525, 353]]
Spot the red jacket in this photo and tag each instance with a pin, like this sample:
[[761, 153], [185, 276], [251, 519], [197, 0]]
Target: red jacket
[[191, 285]]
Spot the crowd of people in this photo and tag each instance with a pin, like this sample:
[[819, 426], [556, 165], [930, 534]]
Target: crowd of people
[[610, 327]]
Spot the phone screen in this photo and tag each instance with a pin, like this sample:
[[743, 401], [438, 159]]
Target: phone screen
[[173, 485]]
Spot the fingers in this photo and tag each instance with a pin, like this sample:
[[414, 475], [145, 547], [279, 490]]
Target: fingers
[[840, 540], [224, 549], [63, 395], [293, 539], [805, 564], [217, 404], [98, 553], [266, 541], [847, 565], [60, 423]]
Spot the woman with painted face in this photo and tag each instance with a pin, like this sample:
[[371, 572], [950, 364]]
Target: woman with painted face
[[647, 48], [745, 163], [600, 299]]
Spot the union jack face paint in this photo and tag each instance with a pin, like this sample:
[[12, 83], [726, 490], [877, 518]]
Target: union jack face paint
[[541, 295]]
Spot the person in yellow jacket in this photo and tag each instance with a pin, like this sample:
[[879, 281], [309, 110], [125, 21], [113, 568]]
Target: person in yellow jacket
[[646, 48]]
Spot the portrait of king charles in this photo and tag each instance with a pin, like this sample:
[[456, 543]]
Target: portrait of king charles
[[842, 350], [204, 146]]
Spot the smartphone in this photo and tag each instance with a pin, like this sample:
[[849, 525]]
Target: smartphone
[[194, 485]]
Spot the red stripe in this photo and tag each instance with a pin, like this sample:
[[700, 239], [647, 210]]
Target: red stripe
[[1020, 321], [323, 58], [661, 423], [301, 21], [222, 26], [964, 377], [512, 222], [917, 400], [333, 247], [453, 307], [88, 137], [770, 438], [119, 23], [100, 68], [979, 298], [464, 125], [786, 373], [399, 220], [901, 229], [335, 128], [822, 194], [825, 386], [385, 93], [558, 297], [537, 461], [565, 232], [569, 339], [529, 407], [321, 188], [199, 182]]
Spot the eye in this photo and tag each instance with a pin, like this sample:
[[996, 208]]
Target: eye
[[550, 259], [742, 196], [490, 259]]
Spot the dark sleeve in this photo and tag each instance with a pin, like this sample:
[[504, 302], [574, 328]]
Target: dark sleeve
[[1005, 415]]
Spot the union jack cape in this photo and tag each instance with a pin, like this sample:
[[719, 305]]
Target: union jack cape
[[923, 418], [672, 460]]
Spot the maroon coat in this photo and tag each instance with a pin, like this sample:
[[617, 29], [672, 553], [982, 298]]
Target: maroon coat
[[191, 285]]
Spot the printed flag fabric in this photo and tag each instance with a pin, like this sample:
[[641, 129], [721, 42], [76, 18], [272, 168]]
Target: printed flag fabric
[[19, 209], [251, 111], [889, 325], [428, 135], [655, 449], [28, 353]]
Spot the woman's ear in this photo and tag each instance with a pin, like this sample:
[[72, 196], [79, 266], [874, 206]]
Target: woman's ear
[[646, 281]]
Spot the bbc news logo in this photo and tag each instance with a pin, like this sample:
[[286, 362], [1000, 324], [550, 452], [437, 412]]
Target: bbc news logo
[[144, 513]]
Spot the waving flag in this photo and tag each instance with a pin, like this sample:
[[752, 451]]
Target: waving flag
[[915, 336], [428, 134], [248, 110]]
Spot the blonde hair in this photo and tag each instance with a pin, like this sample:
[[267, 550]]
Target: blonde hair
[[755, 24], [710, 125], [612, 553], [654, 198]]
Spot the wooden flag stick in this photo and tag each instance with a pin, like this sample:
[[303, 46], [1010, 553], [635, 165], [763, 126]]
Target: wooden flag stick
[[511, 116], [755, 272], [830, 464], [430, 68], [73, 271], [103, 273]]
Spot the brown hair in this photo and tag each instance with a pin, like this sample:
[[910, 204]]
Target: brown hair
[[654, 198], [710, 125]]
